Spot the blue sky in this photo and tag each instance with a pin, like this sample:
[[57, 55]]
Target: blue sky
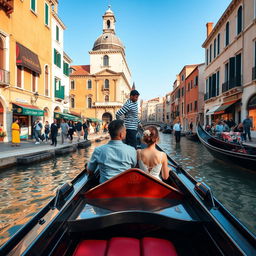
[[160, 36]]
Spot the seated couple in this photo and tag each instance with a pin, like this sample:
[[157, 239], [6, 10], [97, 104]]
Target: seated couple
[[116, 157]]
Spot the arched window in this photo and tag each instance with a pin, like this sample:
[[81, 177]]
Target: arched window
[[106, 60], [106, 98], [89, 84], [1, 54], [106, 84], [239, 20], [227, 34], [89, 102], [46, 80], [72, 102], [108, 23]]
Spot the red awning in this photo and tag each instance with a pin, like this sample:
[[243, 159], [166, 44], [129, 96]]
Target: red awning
[[224, 106], [26, 58]]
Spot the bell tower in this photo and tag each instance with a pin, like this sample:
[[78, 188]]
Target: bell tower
[[109, 21]]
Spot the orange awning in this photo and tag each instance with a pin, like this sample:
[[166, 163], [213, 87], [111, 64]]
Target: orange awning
[[224, 107]]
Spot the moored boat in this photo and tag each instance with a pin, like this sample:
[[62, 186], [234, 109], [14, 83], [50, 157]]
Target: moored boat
[[192, 136], [133, 214], [242, 155]]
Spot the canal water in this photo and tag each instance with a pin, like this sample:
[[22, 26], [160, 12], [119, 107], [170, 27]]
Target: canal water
[[25, 190]]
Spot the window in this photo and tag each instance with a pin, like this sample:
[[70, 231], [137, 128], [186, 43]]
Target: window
[[108, 23], [218, 44], [239, 20], [34, 80], [46, 14], [196, 81], [187, 108], [106, 60], [106, 98], [72, 84], [214, 49], [182, 91], [89, 84], [182, 78], [227, 34], [65, 68], [207, 56], [106, 84], [218, 83], [33, 5], [57, 58], [189, 86], [226, 72], [19, 76], [72, 102], [195, 106], [89, 102], [2, 55], [46, 81], [210, 53], [57, 33]]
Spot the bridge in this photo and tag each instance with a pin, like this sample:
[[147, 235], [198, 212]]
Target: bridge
[[148, 123]]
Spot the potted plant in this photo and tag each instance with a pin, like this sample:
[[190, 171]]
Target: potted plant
[[2, 134]]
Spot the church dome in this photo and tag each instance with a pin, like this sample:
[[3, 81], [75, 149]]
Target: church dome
[[108, 41]]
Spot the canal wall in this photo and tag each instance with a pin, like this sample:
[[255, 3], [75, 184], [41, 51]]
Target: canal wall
[[23, 156]]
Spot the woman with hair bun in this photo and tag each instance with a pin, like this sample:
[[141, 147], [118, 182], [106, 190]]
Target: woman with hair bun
[[151, 160]]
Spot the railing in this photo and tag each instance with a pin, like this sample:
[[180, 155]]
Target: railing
[[4, 77], [60, 93], [232, 83], [254, 73]]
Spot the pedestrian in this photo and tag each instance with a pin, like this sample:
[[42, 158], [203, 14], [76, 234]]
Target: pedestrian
[[131, 120], [37, 130], [64, 130], [15, 133], [71, 130], [85, 128], [247, 124], [105, 127], [54, 132], [177, 130], [46, 130], [219, 129], [78, 128], [97, 127]]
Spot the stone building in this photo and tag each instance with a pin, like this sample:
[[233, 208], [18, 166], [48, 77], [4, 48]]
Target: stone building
[[98, 90]]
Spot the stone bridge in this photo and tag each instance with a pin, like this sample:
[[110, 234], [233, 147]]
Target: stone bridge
[[159, 124]]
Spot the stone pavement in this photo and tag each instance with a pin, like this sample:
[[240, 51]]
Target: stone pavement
[[9, 153]]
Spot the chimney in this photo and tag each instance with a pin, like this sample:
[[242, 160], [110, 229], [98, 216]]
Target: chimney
[[209, 26]]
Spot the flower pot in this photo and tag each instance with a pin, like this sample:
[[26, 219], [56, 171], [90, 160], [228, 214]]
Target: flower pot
[[1, 139]]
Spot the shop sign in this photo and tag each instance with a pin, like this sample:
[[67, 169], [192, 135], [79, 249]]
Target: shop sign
[[24, 132]]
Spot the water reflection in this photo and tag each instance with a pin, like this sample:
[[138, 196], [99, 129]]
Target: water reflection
[[232, 185], [25, 190]]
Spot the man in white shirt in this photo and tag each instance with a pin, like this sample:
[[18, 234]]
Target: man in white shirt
[[177, 130]]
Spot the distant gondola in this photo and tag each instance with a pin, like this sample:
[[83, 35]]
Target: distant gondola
[[133, 214], [242, 155], [167, 129], [192, 136]]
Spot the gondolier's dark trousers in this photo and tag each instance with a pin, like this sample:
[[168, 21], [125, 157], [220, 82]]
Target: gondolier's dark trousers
[[131, 138], [177, 136]]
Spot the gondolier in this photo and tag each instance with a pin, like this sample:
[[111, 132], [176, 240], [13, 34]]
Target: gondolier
[[131, 120]]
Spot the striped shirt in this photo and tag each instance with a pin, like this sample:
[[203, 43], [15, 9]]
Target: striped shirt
[[130, 112]]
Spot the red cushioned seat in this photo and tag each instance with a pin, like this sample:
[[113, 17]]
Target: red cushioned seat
[[91, 248], [156, 247], [123, 246]]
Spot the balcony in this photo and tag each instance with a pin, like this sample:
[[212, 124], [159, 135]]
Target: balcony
[[4, 78], [254, 73], [232, 83], [60, 94], [7, 6]]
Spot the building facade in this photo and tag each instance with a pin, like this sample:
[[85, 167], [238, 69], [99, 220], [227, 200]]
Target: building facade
[[152, 110], [98, 90], [230, 54]]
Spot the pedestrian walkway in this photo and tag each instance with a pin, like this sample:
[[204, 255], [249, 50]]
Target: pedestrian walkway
[[9, 153]]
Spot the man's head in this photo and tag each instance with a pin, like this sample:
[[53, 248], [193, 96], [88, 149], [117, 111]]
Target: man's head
[[117, 130], [134, 95]]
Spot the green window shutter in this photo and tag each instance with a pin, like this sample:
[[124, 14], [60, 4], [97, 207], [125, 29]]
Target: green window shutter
[[46, 14], [64, 66], [55, 57], [57, 33], [59, 60], [33, 5]]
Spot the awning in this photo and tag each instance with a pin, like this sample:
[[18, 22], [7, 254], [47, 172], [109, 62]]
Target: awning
[[65, 116], [92, 119], [26, 58], [27, 110], [224, 106], [212, 110]]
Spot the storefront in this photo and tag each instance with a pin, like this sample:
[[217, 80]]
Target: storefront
[[252, 111], [27, 115]]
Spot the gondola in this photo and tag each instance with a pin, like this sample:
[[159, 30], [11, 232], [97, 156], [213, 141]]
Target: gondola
[[167, 130], [133, 214], [242, 155], [192, 136]]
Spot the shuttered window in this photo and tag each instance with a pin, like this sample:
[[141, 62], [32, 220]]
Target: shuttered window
[[57, 33], [46, 13], [57, 58], [218, 83], [227, 34], [218, 44], [239, 20], [33, 5]]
